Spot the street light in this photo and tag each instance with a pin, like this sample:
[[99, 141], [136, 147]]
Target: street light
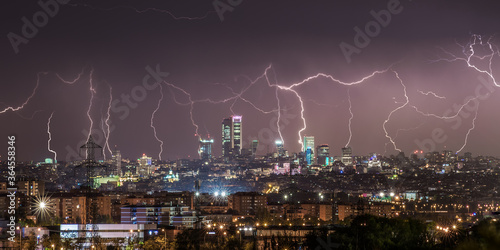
[[163, 230], [20, 238]]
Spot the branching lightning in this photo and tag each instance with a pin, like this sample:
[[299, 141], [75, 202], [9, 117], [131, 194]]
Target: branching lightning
[[152, 123], [470, 129], [108, 130], [290, 88], [393, 111], [50, 138], [308, 79], [92, 92]]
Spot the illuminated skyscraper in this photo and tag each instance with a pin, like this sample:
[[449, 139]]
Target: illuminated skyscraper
[[323, 155], [145, 168], [116, 159], [206, 148], [279, 148], [231, 136], [309, 144], [347, 156]]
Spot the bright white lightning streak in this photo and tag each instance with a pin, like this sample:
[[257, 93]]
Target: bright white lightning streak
[[152, 123], [290, 88], [431, 93], [50, 138], [279, 118], [393, 111], [468, 132], [108, 131], [92, 92], [350, 118], [470, 53], [14, 109], [279, 87]]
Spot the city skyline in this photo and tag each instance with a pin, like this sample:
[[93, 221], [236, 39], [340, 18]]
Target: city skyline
[[165, 75]]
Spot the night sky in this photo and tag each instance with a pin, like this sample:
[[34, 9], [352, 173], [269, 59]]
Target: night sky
[[209, 60]]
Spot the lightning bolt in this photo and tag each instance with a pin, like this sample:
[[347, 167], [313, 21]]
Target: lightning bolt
[[14, 109], [319, 75], [350, 118], [395, 110], [431, 93], [191, 104], [50, 138], [290, 88], [92, 92], [469, 54], [152, 123], [400, 130], [468, 132], [74, 80], [108, 131], [142, 11]]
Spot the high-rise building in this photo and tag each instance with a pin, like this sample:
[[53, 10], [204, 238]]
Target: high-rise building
[[231, 136], [323, 155], [206, 148], [116, 159], [347, 156], [145, 168], [309, 155], [279, 148], [309, 144], [255, 144]]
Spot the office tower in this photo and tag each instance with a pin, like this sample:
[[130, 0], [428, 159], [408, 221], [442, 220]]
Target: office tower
[[145, 168], [309, 156], [206, 149], [279, 148], [231, 136], [347, 156], [323, 155], [116, 160], [255, 144], [309, 143]]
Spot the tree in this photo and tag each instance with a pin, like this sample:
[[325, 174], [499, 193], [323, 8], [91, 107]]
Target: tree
[[485, 235]]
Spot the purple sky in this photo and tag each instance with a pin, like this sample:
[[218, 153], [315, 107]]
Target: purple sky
[[214, 60]]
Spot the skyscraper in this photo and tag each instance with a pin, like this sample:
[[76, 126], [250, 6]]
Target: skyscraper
[[279, 148], [231, 136], [309, 144], [323, 155], [116, 159], [206, 148], [255, 144], [347, 156]]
